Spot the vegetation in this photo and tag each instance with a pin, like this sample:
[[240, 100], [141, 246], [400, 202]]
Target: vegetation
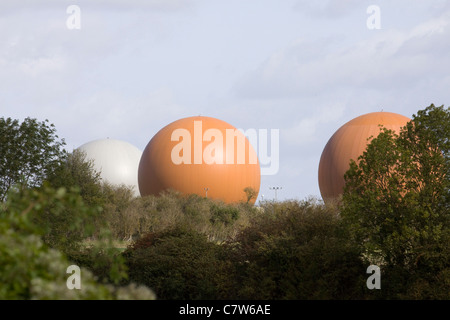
[[178, 263], [29, 151], [32, 269], [396, 206], [75, 171], [296, 250], [394, 213]]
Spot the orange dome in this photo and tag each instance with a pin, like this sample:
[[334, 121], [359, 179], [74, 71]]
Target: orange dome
[[200, 155], [349, 142]]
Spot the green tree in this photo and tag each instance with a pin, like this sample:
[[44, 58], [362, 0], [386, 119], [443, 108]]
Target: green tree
[[296, 250], [250, 193], [177, 263], [76, 171], [66, 223], [28, 152], [429, 133], [396, 205], [29, 268]]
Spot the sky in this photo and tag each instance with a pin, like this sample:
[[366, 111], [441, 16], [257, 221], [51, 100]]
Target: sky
[[301, 67]]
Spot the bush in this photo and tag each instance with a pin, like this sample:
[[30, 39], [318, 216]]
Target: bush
[[296, 251], [30, 269], [75, 171], [178, 263], [130, 218]]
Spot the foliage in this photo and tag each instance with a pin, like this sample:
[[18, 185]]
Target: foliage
[[177, 264], [29, 151], [30, 269], [78, 172], [223, 214], [429, 133], [394, 213], [67, 224], [296, 251], [250, 193], [129, 218], [61, 216], [396, 203]]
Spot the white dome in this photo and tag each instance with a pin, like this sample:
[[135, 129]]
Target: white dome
[[117, 161]]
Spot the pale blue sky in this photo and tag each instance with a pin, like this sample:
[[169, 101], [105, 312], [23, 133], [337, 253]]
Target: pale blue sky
[[303, 67]]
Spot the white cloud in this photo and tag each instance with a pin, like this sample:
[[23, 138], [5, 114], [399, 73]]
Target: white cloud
[[306, 131], [41, 65], [111, 114], [386, 58]]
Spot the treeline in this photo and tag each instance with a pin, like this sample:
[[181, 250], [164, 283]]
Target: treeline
[[196, 248], [395, 214], [288, 250], [205, 249]]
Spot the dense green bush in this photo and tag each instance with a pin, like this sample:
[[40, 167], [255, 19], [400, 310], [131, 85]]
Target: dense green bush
[[178, 263], [75, 171], [61, 216], [296, 250], [291, 250], [31, 269]]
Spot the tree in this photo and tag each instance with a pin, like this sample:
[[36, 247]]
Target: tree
[[31, 269], [28, 152], [64, 222], [178, 263], [296, 250], [76, 171], [430, 129], [250, 193], [396, 202]]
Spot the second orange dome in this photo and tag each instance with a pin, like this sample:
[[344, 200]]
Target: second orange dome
[[349, 142], [200, 155]]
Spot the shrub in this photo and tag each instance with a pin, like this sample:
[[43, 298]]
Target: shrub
[[29, 268], [296, 251], [178, 263]]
